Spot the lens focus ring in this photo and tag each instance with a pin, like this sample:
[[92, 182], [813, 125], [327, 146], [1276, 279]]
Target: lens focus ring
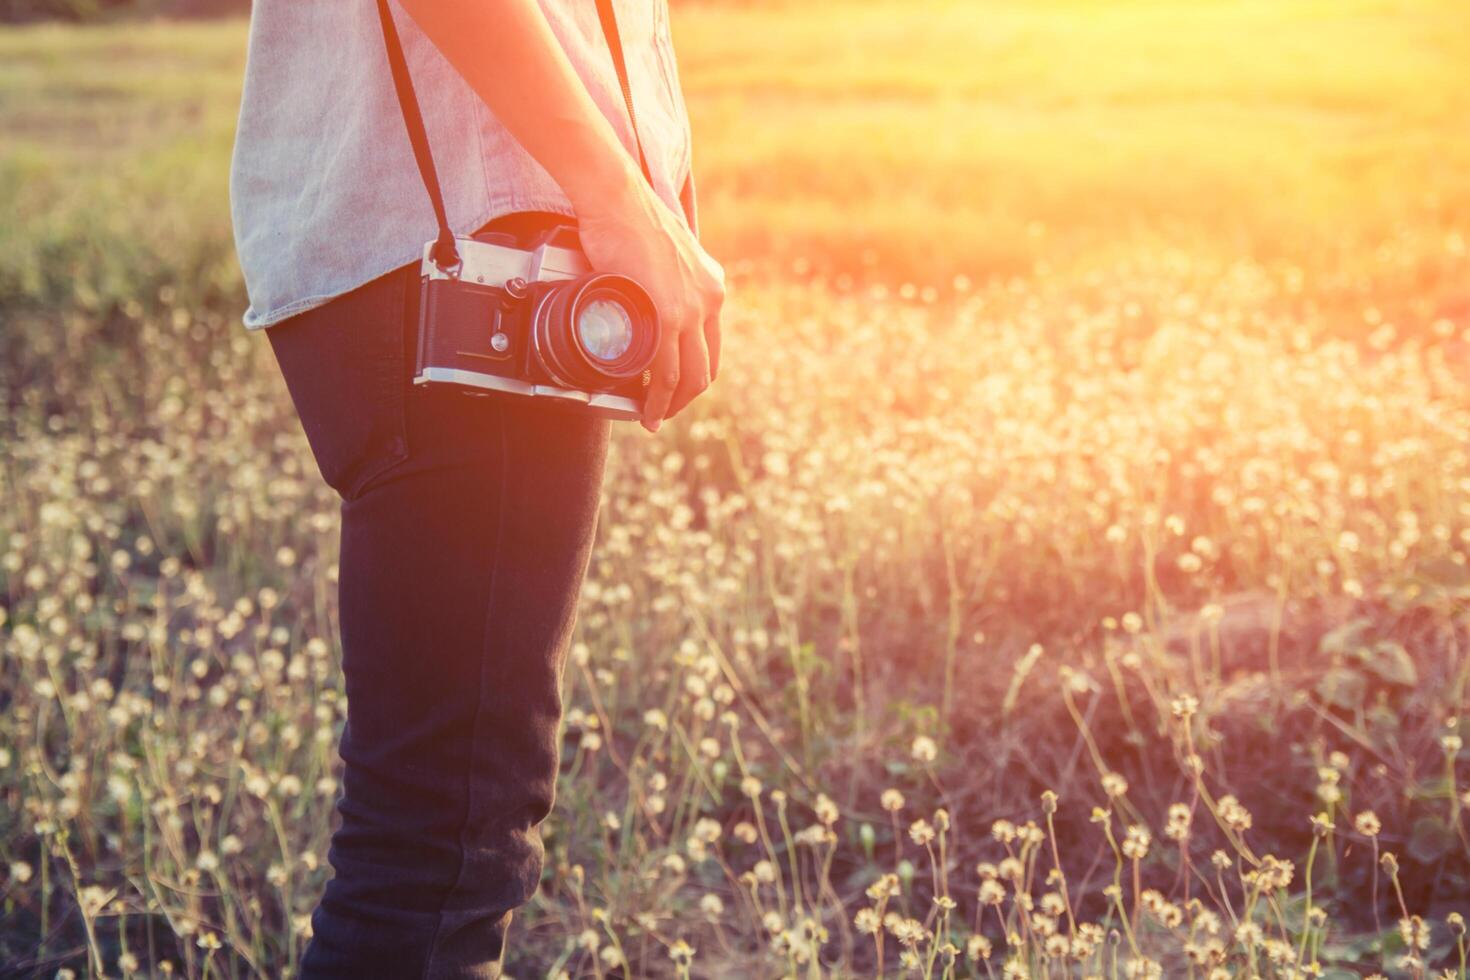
[[595, 332]]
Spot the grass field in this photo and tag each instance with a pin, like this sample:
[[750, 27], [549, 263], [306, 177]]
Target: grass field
[[1067, 577]]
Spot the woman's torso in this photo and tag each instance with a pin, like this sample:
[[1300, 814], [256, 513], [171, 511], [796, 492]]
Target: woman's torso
[[324, 191]]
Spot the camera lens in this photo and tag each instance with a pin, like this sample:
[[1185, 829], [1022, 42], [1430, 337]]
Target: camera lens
[[595, 332], [606, 329]]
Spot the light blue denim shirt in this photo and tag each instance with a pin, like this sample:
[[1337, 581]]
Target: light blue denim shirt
[[324, 192]]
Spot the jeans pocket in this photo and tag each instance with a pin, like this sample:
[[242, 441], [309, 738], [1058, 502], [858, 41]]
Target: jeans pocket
[[344, 366]]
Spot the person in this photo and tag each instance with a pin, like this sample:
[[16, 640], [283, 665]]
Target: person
[[467, 523]]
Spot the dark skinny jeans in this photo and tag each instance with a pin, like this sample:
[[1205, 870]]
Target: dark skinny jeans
[[466, 529]]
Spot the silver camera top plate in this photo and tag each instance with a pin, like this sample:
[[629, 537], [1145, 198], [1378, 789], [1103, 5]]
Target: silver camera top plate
[[488, 264]]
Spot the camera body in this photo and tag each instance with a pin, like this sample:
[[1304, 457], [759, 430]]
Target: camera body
[[535, 322]]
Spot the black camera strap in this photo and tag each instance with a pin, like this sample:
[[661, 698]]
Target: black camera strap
[[445, 253], [615, 48]]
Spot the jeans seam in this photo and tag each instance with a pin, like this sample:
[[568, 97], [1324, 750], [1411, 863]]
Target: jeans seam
[[391, 399], [471, 768]]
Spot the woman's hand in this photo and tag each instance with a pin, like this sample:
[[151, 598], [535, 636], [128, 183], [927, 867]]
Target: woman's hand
[[633, 233], [508, 54]]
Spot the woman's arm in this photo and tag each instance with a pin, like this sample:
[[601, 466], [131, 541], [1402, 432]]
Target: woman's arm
[[507, 53]]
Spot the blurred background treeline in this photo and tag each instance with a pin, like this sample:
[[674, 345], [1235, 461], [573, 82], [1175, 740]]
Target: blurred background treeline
[[81, 11]]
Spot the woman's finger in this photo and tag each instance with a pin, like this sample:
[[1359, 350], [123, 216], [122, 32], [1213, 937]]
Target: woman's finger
[[712, 343], [664, 379], [693, 370]]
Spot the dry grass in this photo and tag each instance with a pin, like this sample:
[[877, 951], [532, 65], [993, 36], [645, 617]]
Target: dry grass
[[1067, 577]]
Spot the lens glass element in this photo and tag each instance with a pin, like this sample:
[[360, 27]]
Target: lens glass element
[[606, 329]]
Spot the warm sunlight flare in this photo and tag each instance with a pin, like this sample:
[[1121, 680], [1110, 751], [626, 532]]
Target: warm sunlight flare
[[1067, 573]]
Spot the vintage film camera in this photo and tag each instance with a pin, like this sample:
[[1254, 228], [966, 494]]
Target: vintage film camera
[[536, 322]]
